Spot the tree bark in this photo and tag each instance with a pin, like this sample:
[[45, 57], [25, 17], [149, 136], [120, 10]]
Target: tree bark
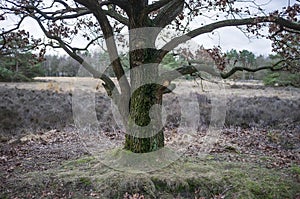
[[144, 128], [144, 133], [144, 125]]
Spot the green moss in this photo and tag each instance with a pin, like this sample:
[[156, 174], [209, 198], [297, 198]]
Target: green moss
[[85, 181], [210, 157], [185, 178], [141, 102], [262, 183], [231, 149], [86, 160], [265, 158], [295, 169]]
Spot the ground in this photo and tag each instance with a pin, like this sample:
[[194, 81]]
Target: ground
[[43, 155]]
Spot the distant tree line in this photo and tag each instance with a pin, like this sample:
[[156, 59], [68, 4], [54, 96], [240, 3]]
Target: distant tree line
[[23, 66], [64, 65]]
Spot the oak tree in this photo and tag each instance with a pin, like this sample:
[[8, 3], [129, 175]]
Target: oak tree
[[106, 20]]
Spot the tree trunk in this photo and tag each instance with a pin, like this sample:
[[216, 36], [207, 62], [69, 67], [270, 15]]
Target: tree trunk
[[144, 125], [144, 133], [144, 128]]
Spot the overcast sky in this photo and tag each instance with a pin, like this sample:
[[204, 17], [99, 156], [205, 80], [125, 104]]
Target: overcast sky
[[232, 38], [227, 38]]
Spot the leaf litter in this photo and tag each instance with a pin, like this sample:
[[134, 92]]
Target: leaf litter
[[271, 147]]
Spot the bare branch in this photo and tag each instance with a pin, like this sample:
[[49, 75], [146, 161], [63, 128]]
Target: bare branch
[[51, 15], [109, 84], [88, 45], [225, 23], [70, 16], [80, 11], [271, 67], [110, 42], [204, 67], [187, 70], [113, 14], [156, 5], [168, 13], [15, 28]]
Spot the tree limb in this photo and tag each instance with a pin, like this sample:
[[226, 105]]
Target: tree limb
[[287, 23], [225, 23], [15, 28], [51, 15], [168, 13], [187, 70], [272, 68], [113, 14], [109, 84], [238, 68], [156, 5], [204, 67], [88, 45], [110, 42]]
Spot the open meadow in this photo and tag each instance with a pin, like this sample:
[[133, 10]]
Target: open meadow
[[256, 155]]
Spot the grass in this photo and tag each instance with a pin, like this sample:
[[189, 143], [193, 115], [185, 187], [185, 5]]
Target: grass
[[185, 178], [295, 169]]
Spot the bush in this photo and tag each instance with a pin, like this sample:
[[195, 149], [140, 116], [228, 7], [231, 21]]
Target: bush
[[22, 69], [33, 71], [5, 74], [19, 77], [282, 79]]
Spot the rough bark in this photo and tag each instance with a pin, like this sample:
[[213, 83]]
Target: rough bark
[[145, 132], [144, 128], [145, 94]]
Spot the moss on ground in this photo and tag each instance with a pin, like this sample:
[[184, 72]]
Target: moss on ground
[[186, 178]]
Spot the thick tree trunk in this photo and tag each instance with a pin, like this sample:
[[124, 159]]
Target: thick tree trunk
[[144, 128], [145, 132], [144, 125]]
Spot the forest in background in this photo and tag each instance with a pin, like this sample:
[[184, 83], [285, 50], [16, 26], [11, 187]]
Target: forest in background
[[24, 66]]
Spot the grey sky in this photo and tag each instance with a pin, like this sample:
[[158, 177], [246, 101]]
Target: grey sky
[[227, 38], [232, 38]]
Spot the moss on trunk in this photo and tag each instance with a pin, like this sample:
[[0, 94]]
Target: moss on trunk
[[144, 133], [144, 145]]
